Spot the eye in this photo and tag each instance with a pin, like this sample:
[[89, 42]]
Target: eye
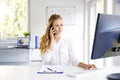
[[57, 25], [61, 24]]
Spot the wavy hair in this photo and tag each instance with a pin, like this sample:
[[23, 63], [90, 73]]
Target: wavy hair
[[45, 39]]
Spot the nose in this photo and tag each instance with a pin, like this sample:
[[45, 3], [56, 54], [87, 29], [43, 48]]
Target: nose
[[60, 27]]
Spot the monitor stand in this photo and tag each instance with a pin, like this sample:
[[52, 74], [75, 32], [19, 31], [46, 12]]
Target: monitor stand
[[114, 76]]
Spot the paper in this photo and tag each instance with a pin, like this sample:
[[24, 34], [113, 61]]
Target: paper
[[50, 69]]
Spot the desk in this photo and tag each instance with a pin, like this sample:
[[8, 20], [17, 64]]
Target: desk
[[14, 56], [30, 73]]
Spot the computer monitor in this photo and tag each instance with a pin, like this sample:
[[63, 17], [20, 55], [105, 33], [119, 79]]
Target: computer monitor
[[23, 42], [107, 36], [107, 39]]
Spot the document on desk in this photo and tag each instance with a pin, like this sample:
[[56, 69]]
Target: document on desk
[[50, 69]]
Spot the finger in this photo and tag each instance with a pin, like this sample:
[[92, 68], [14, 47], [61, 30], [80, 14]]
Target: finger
[[93, 67], [53, 33], [52, 29], [86, 68]]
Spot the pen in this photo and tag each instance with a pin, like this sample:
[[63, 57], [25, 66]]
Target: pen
[[49, 69]]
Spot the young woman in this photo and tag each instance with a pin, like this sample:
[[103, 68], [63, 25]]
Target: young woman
[[56, 50]]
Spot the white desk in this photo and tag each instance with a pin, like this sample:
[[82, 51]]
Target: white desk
[[30, 73], [14, 56]]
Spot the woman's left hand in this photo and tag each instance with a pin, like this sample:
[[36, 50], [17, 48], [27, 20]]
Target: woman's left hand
[[90, 66], [86, 66]]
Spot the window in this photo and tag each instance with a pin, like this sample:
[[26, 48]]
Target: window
[[13, 18], [95, 7]]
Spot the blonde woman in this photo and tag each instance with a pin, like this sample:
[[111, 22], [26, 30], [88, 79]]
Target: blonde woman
[[56, 50]]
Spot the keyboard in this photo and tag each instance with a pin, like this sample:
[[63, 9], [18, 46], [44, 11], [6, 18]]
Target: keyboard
[[81, 73], [21, 47]]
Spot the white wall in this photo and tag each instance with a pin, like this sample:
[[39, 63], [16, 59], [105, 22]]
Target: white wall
[[37, 21]]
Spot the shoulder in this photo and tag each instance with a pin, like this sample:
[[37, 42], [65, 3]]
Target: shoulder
[[66, 40]]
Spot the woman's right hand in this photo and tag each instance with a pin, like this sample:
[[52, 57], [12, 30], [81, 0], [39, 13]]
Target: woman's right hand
[[52, 32], [52, 35]]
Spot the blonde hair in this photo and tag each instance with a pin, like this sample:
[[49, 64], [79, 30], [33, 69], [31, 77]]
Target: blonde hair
[[45, 39]]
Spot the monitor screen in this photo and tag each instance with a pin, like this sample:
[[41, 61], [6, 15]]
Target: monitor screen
[[107, 36], [23, 41]]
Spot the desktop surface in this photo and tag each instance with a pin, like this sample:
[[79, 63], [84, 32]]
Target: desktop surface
[[30, 73]]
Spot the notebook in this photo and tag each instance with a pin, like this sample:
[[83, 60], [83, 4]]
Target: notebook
[[45, 69], [23, 42]]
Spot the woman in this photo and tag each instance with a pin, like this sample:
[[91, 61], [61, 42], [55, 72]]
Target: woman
[[56, 50]]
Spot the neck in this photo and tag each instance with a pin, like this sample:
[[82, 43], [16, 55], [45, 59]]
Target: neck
[[57, 38]]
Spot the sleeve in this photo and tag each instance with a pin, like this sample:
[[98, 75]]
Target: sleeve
[[71, 51], [46, 57]]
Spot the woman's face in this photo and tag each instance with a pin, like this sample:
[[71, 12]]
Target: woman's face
[[58, 26]]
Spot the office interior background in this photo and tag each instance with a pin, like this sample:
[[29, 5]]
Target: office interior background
[[80, 20]]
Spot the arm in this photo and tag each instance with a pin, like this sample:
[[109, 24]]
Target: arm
[[76, 62], [46, 57], [71, 51]]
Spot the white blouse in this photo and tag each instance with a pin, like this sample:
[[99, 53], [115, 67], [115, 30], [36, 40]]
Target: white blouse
[[61, 54]]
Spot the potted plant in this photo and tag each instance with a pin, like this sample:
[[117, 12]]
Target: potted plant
[[26, 34]]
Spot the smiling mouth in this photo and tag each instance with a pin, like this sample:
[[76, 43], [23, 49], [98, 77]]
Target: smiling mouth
[[59, 31]]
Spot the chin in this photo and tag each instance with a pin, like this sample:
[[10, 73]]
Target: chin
[[59, 33]]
